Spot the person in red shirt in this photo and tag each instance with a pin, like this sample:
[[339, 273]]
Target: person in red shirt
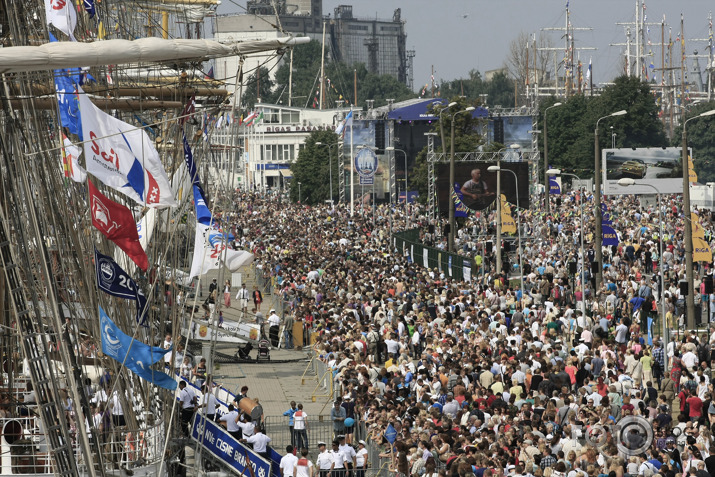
[[627, 409], [683, 396], [696, 407]]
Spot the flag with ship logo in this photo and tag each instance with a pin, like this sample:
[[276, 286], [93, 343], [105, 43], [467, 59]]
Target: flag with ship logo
[[508, 226], [113, 280], [123, 157], [116, 222], [138, 357]]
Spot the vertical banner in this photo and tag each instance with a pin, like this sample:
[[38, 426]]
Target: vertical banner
[[467, 270], [650, 331], [610, 237], [508, 226], [439, 262], [425, 257], [412, 253], [449, 263], [554, 186]]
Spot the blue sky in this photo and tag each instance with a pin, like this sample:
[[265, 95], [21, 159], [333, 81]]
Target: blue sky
[[456, 36]]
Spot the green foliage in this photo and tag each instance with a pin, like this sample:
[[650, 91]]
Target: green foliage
[[267, 87], [571, 126], [312, 169], [499, 90], [340, 87], [701, 139]]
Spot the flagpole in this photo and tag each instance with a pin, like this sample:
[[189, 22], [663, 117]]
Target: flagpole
[[352, 168]]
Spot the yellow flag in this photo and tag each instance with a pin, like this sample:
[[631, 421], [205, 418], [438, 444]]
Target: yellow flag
[[692, 176], [507, 222], [696, 227], [701, 250]]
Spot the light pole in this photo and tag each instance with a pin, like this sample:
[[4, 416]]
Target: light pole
[[451, 171], [330, 165], [498, 170], [452, 227], [626, 182], [688, 238], [498, 244], [547, 191], [598, 239], [557, 172], [299, 192]]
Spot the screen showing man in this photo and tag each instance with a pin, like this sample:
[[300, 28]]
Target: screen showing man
[[475, 192]]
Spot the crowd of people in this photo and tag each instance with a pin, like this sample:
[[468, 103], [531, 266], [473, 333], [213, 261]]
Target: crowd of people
[[480, 378]]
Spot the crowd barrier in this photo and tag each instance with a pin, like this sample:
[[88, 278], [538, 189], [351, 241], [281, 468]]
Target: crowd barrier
[[453, 265]]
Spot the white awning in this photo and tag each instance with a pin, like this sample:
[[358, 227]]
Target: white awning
[[67, 54]]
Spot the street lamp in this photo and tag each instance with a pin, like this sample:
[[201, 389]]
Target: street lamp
[[299, 192], [688, 238], [498, 170], [627, 182], [394, 149], [330, 165], [597, 209], [452, 226], [557, 172], [546, 160], [498, 244]]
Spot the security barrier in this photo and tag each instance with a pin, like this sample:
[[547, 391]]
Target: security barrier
[[408, 244]]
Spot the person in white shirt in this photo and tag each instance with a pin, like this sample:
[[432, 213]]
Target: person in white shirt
[[300, 427], [338, 461], [209, 403], [232, 426], [348, 453], [274, 323], [187, 397], [242, 296], [325, 462], [248, 428], [288, 463], [361, 458], [260, 442], [115, 405], [303, 466]]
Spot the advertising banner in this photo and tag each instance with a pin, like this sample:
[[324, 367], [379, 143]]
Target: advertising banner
[[478, 186], [659, 167], [223, 446]]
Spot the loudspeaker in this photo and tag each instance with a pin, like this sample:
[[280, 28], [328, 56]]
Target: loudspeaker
[[380, 136], [573, 268], [430, 228], [489, 246], [506, 247], [708, 283], [499, 130], [683, 285], [594, 267], [446, 229]]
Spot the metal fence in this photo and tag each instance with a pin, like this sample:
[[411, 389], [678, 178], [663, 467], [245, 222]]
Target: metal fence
[[453, 265]]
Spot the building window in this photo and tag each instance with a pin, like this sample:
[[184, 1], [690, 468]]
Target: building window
[[358, 27], [289, 117], [271, 116]]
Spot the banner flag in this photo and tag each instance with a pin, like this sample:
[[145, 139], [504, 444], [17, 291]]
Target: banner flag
[[346, 122], [508, 225], [467, 270], [123, 157], [555, 186], [62, 15], [68, 101], [114, 281], [139, 356], [460, 210], [209, 251], [70, 162], [116, 222], [203, 214], [610, 237]]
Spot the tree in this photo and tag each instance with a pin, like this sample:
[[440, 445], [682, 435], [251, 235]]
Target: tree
[[251, 89], [571, 126], [312, 169], [499, 90], [701, 139], [523, 57]]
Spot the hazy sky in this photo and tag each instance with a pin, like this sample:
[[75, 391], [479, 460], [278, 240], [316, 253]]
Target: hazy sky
[[457, 36]]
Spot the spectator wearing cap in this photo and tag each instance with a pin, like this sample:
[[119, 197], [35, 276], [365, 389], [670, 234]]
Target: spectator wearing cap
[[361, 459], [349, 455]]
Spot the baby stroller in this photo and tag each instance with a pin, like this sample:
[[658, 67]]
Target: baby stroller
[[264, 350]]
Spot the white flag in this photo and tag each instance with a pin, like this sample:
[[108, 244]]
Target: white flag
[[70, 156], [62, 15], [145, 227], [209, 250], [123, 157]]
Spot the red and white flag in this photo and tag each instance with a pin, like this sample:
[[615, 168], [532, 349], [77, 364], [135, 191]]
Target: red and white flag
[[62, 15], [70, 161], [116, 222]]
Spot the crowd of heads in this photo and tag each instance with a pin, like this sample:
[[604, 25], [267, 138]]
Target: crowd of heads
[[482, 378]]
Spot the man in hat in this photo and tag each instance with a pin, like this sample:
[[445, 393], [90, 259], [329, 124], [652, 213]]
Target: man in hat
[[348, 454], [325, 462]]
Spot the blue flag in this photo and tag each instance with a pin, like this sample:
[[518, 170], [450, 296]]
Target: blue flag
[[89, 8], [113, 280], [65, 81], [391, 434], [139, 356], [203, 214]]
